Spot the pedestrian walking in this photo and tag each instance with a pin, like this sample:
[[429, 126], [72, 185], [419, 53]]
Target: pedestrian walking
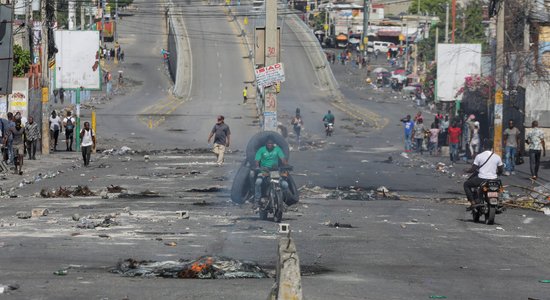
[[535, 139], [419, 132], [454, 134], [444, 126], [297, 124], [18, 143], [222, 135], [87, 138], [55, 128], [8, 137], [32, 136], [69, 123], [408, 125], [511, 142], [245, 94], [434, 139]]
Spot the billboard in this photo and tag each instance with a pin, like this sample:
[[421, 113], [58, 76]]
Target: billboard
[[76, 62], [454, 63]]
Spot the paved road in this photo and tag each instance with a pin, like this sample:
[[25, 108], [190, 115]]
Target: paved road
[[396, 249]]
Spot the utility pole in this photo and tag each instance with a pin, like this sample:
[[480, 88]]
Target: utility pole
[[102, 31], [271, 50], [366, 13], [453, 9], [499, 80], [446, 23], [45, 79]]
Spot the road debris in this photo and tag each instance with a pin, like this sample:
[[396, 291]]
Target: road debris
[[115, 189], [86, 223], [23, 214], [183, 214], [39, 212], [142, 194], [205, 267], [65, 192], [61, 272], [338, 225], [10, 287], [212, 189]]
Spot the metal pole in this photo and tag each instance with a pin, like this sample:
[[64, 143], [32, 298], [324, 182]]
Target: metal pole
[[116, 21], [94, 125], [77, 139], [436, 41], [45, 80], [499, 80], [72, 15], [446, 23], [271, 50]]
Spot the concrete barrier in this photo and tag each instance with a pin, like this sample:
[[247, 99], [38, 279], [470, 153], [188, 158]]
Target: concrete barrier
[[183, 81], [288, 285]]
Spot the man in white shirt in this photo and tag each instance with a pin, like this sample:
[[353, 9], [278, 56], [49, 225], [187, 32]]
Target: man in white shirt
[[488, 165], [87, 137]]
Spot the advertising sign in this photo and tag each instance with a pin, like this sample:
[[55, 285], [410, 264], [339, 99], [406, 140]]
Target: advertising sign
[[266, 76], [270, 121]]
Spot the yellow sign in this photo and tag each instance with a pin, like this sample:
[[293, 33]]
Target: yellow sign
[[362, 47], [365, 40], [44, 95], [278, 87], [227, 2], [326, 27], [308, 8], [245, 20], [401, 37]]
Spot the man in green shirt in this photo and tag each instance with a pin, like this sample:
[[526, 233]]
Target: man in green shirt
[[268, 157]]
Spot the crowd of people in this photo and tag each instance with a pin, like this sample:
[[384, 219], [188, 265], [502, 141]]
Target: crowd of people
[[463, 138], [110, 54], [20, 137]]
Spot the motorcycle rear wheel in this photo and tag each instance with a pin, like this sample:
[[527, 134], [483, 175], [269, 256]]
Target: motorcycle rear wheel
[[490, 215]]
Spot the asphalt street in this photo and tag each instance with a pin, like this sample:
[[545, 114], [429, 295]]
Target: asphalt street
[[424, 245]]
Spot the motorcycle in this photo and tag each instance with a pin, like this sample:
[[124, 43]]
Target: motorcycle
[[329, 128], [273, 202], [488, 201]]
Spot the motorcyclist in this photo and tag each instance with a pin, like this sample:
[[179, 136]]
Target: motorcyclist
[[488, 165], [328, 118], [267, 157]]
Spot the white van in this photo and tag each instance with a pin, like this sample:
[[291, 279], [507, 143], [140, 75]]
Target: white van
[[380, 47]]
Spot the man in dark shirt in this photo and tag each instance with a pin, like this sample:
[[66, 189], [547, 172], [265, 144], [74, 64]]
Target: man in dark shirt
[[222, 135]]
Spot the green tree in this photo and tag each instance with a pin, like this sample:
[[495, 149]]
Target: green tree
[[21, 61], [432, 7], [474, 30]]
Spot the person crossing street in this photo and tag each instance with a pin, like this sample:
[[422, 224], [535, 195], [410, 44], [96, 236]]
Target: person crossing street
[[222, 136]]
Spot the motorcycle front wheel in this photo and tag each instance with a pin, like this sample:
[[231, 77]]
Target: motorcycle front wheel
[[278, 206]]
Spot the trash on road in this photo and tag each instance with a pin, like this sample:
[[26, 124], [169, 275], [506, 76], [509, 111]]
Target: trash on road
[[61, 272], [212, 189], [86, 223], [115, 189], [39, 212], [205, 267], [65, 192], [23, 214], [6, 288], [338, 225], [142, 194]]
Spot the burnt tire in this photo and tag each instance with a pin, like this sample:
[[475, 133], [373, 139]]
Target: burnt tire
[[292, 196], [241, 188], [259, 139]]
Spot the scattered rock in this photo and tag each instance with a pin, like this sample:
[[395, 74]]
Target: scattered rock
[[39, 212], [23, 214], [76, 217], [183, 214]]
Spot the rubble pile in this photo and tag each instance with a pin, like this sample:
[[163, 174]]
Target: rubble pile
[[348, 193], [205, 267], [537, 198], [88, 223], [65, 192]]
